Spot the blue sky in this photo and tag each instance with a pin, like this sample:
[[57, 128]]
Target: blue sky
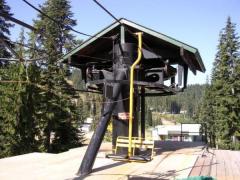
[[196, 23]]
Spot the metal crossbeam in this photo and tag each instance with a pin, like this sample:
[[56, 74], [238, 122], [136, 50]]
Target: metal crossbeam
[[18, 21]]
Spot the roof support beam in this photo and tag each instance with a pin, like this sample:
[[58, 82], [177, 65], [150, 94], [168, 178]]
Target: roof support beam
[[187, 60], [122, 34]]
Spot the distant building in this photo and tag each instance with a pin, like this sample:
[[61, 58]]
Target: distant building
[[89, 120], [86, 126], [183, 112], [179, 132]]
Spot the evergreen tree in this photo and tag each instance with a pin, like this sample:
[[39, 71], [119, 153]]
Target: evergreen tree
[[19, 128], [186, 101], [60, 118], [148, 117], [4, 30], [7, 91], [37, 107], [205, 116], [11, 89], [225, 85]]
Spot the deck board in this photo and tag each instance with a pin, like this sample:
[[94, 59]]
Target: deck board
[[221, 171], [207, 164], [197, 168], [173, 160], [213, 168], [220, 164]]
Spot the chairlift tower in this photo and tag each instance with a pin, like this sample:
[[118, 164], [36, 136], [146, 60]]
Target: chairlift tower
[[106, 60]]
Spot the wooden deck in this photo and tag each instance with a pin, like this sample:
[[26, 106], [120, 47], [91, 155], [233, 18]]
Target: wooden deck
[[172, 160], [220, 164]]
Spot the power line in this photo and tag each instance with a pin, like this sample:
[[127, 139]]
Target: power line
[[55, 92], [20, 59], [39, 32], [109, 13], [59, 23], [45, 57], [41, 12], [55, 21], [24, 45], [12, 81], [132, 33], [8, 59], [25, 60], [6, 16]]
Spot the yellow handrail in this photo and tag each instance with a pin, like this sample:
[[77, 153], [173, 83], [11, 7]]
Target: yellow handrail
[[139, 34]]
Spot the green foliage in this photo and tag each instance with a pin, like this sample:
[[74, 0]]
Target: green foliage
[[186, 101], [220, 108], [59, 113], [205, 115], [39, 110], [16, 125], [4, 30], [54, 32], [148, 117]]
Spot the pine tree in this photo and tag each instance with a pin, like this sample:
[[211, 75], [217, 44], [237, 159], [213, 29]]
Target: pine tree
[[60, 118], [11, 89], [225, 85], [28, 123], [20, 49], [205, 116], [16, 107], [7, 91], [37, 111], [4, 30]]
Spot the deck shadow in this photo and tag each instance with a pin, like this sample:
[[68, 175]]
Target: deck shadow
[[164, 176], [108, 166], [163, 146]]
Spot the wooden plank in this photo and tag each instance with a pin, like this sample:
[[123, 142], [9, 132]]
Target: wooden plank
[[165, 165], [236, 155], [185, 168], [213, 171], [207, 164], [227, 161], [122, 145], [197, 168], [221, 172], [229, 170], [136, 142], [150, 170], [168, 167], [233, 159]]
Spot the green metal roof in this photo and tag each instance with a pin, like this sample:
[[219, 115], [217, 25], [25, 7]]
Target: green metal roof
[[149, 34]]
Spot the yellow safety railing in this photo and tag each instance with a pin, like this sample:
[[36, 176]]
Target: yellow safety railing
[[139, 34]]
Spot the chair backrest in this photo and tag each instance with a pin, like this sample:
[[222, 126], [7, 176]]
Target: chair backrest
[[137, 142]]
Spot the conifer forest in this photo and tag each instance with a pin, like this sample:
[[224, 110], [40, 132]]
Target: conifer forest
[[43, 103]]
